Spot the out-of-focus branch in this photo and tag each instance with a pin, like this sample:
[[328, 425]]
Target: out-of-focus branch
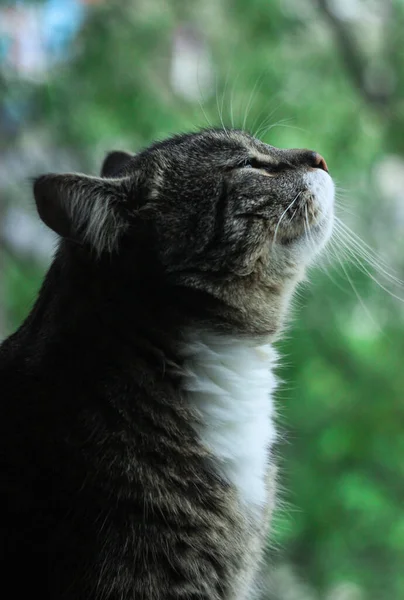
[[353, 58]]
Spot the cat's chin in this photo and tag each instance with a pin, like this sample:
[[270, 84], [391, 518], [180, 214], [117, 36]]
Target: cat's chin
[[306, 246], [319, 235]]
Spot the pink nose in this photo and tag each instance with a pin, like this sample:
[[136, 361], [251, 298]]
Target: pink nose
[[319, 162]]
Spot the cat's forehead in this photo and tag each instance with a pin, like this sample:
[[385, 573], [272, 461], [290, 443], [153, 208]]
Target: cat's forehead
[[234, 139], [253, 146], [210, 142]]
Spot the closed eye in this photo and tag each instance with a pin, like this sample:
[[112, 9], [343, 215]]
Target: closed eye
[[254, 163]]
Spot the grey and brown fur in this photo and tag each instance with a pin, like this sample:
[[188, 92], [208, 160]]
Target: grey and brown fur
[[107, 493]]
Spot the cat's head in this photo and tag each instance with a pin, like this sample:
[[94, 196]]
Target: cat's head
[[215, 210]]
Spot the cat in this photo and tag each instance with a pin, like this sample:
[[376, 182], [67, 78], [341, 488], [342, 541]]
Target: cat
[[136, 419]]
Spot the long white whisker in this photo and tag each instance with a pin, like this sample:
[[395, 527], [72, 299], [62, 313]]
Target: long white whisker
[[365, 308], [309, 237], [231, 99], [323, 268], [279, 124], [356, 249], [348, 230], [333, 257], [265, 127], [359, 251], [220, 108], [307, 228], [250, 100], [311, 241], [281, 217], [366, 271], [294, 212], [265, 120], [201, 98], [341, 207], [204, 114]]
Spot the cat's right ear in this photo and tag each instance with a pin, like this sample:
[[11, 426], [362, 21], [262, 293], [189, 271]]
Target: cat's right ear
[[115, 162]]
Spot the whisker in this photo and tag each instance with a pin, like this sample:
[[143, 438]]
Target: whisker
[[282, 123], [294, 212], [231, 100], [332, 258], [369, 256], [311, 241], [265, 120], [348, 230], [343, 208], [354, 258], [281, 217], [265, 127], [250, 100], [372, 259], [309, 236], [359, 297], [204, 114], [220, 107], [200, 99]]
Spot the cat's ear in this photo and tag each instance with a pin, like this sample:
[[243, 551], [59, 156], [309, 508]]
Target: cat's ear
[[114, 163], [84, 209]]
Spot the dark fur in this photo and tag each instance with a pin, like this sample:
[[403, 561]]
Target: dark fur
[[106, 493]]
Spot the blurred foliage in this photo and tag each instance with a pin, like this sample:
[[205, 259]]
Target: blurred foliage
[[302, 76]]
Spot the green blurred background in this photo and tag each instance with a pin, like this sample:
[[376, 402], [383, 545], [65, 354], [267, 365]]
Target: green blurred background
[[80, 78]]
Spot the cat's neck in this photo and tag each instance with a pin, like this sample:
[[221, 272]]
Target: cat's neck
[[79, 291], [96, 301]]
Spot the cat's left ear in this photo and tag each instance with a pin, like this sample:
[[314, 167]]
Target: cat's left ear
[[115, 163], [83, 209]]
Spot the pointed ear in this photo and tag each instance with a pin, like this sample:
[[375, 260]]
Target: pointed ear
[[114, 163], [84, 209]]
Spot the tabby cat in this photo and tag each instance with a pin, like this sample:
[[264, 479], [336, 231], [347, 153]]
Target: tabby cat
[[136, 399]]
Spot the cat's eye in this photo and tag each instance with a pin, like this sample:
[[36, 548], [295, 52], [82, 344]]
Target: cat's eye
[[254, 163]]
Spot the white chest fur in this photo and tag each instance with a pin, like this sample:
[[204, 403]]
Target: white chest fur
[[230, 383]]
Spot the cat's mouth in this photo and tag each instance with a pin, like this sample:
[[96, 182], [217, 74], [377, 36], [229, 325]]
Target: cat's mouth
[[320, 187], [318, 210]]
